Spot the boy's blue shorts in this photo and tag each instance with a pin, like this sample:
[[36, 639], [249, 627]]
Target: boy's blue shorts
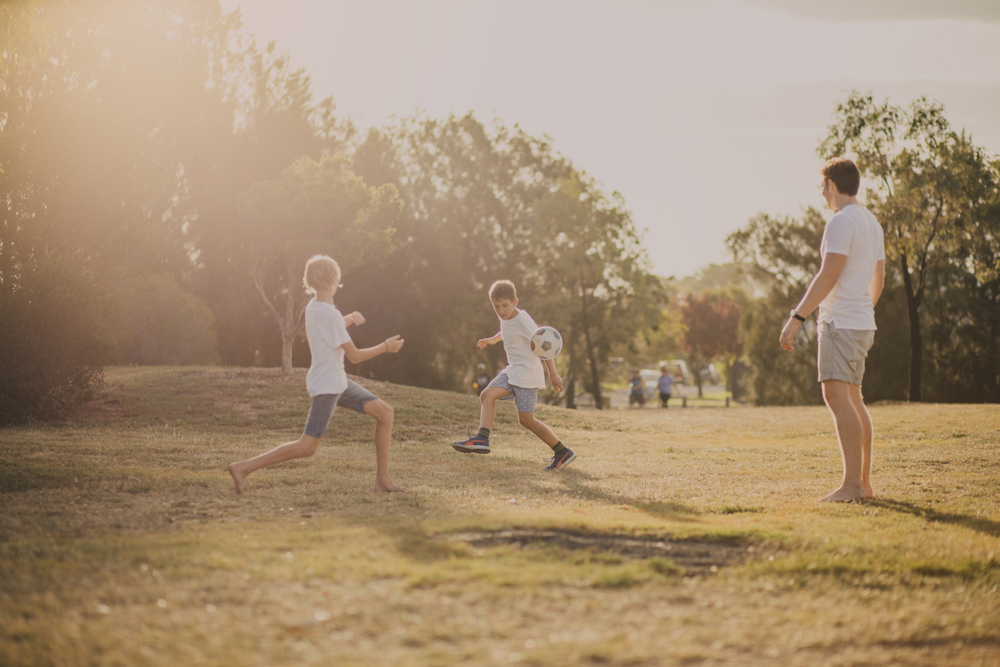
[[524, 399], [354, 397]]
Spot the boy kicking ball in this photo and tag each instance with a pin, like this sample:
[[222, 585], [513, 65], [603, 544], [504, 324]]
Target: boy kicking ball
[[327, 381], [519, 382]]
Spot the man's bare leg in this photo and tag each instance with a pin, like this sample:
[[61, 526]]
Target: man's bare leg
[[866, 439], [383, 414], [298, 449], [850, 434]]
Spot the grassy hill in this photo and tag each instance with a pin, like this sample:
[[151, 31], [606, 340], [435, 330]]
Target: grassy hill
[[678, 537]]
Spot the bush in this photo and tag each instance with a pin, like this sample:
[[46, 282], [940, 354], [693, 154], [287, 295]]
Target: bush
[[164, 325], [57, 331]]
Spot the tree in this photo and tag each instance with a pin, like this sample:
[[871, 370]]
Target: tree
[[784, 252], [595, 275], [930, 186], [711, 324], [315, 208]]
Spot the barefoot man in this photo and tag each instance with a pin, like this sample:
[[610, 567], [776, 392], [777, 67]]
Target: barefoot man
[[846, 289]]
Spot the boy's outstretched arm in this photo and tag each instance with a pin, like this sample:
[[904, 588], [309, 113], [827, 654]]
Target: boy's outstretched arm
[[483, 342], [556, 380], [357, 356]]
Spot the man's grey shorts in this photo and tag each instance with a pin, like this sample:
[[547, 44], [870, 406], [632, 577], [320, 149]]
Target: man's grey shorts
[[524, 399], [354, 397], [842, 353]]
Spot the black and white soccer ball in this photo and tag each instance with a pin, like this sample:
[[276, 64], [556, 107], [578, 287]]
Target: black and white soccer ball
[[546, 342]]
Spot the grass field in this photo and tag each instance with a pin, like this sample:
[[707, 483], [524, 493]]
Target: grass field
[[678, 537]]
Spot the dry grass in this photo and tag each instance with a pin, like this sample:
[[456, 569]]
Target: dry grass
[[687, 537]]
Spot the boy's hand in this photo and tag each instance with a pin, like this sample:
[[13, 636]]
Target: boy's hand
[[483, 342], [355, 318], [393, 344], [557, 382]]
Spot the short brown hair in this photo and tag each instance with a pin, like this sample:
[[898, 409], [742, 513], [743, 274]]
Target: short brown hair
[[503, 289], [322, 272], [844, 174]]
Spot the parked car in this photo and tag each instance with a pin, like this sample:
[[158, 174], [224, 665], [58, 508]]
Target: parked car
[[679, 369]]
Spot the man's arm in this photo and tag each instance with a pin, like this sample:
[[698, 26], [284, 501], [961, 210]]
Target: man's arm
[[878, 282], [820, 287]]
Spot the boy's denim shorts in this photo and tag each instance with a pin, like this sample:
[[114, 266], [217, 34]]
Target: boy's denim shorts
[[842, 353], [524, 399], [354, 397]]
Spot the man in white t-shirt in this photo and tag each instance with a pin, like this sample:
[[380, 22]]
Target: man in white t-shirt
[[846, 289]]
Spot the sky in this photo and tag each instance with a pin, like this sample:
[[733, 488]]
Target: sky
[[700, 113]]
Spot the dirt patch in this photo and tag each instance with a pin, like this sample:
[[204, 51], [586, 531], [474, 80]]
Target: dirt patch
[[694, 556]]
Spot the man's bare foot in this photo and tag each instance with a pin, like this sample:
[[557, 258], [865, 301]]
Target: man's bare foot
[[238, 476], [388, 486], [844, 495]]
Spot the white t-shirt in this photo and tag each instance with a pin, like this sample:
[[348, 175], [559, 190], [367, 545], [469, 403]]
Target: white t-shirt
[[854, 232], [327, 333], [524, 369]]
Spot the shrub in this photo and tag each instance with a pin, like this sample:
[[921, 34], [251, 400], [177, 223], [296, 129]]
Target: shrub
[[57, 331]]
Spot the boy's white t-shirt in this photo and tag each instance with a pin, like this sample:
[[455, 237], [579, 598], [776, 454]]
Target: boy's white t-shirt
[[854, 232], [327, 333], [524, 369]]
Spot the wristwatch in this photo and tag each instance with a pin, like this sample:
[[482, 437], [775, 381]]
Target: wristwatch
[[797, 316]]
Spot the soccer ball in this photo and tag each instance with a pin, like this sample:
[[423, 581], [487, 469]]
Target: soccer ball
[[546, 342]]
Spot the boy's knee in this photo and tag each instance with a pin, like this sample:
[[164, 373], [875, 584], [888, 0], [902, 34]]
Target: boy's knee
[[381, 411], [308, 446], [526, 418]]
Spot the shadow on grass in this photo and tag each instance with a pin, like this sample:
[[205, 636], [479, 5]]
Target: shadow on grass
[[575, 482], [976, 523]]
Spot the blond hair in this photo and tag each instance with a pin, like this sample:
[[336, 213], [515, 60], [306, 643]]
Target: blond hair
[[503, 289], [322, 273]]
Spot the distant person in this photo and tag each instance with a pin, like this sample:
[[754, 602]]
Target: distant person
[[519, 381], [636, 391], [665, 385], [846, 289], [327, 382], [482, 379]]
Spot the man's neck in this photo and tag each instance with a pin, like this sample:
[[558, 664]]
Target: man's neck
[[843, 201]]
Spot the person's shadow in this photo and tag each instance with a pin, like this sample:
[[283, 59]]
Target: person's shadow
[[977, 523]]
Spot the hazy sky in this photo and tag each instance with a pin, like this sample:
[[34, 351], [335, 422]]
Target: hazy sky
[[701, 114]]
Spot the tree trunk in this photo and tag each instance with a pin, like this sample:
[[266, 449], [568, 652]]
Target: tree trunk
[[571, 373], [571, 394], [595, 373], [286, 353], [916, 340]]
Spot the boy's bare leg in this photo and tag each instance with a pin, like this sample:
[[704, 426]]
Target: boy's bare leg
[[298, 449], [488, 399], [866, 439], [850, 435], [540, 429], [383, 414]]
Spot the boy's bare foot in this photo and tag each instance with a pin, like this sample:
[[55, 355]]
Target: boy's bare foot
[[868, 491], [844, 495], [238, 476], [388, 486]]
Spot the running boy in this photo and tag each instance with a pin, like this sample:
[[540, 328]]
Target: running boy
[[520, 381], [327, 381]]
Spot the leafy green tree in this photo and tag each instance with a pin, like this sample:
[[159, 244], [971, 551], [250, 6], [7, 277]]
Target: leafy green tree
[[929, 189], [595, 277], [785, 253], [315, 208]]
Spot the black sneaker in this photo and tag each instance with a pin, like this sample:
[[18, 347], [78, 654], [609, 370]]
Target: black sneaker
[[474, 445], [560, 461]]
